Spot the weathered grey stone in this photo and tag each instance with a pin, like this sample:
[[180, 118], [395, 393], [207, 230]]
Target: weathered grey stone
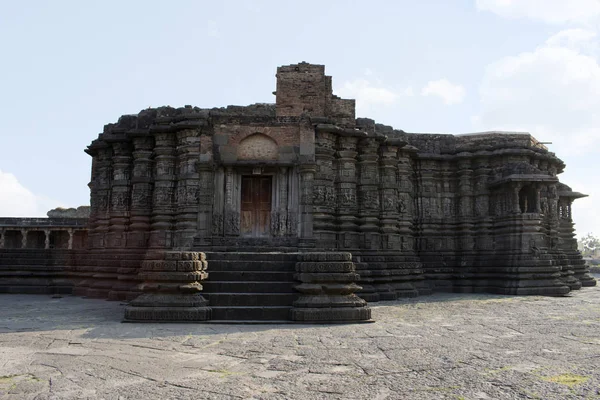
[[328, 296], [79, 212], [171, 295]]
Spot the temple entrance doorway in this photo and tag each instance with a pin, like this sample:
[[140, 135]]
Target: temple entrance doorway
[[256, 206]]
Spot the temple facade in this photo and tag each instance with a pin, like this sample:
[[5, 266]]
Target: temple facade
[[298, 210], [419, 213]]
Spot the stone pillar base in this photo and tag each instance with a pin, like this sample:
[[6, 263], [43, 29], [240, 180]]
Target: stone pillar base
[[327, 287], [171, 289]]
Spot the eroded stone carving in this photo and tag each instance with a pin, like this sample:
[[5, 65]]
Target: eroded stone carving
[[171, 289]]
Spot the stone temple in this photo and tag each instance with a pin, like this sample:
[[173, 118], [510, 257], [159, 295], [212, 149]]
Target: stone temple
[[299, 210]]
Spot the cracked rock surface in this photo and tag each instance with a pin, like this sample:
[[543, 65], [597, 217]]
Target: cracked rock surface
[[444, 346]]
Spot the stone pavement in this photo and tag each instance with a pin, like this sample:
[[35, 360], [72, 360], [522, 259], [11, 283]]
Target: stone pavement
[[444, 346]]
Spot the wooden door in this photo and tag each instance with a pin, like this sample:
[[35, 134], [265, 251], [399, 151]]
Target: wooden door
[[256, 206]]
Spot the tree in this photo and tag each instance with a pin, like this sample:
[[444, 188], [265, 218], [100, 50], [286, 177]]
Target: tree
[[589, 245]]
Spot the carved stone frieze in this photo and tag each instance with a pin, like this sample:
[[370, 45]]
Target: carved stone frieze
[[141, 197], [217, 224], [369, 199], [232, 223]]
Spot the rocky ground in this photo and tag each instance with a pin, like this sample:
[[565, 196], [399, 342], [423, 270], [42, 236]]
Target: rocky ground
[[444, 346]]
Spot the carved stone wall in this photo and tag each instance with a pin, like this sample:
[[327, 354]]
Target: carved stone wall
[[418, 212]]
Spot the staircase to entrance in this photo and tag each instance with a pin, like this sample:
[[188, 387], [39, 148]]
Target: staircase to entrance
[[250, 286]]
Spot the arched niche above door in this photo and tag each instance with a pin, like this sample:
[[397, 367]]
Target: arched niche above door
[[257, 147]]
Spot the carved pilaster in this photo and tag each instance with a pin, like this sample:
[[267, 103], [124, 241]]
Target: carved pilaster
[[279, 217], [465, 207], [347, 200], [188, 187], [538, 200], [120, 193], [324, 197], [406, 198], [205, 192], [483, 238], [388, 196], [101, 199], [231, 216], [206, 189], [219, 202], [293, 198], [368, 193], [163, 206], [141, 192], [307, 176], [515, 187]]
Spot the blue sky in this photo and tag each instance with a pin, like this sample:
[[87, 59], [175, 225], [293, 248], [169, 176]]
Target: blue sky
[[69, 67]]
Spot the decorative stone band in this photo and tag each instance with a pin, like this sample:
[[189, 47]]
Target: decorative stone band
[[171, 289], [327, 287]]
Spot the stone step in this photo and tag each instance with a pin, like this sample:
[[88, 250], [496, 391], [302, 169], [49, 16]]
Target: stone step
[[247, 287], [4, 254], [32, 267], [244, 276], [87, 256], [251, 265], [250, 285], [250, 313], [4, 276], [251, 256], [250, 299], [247, 249], [31, 262], [34, 260]]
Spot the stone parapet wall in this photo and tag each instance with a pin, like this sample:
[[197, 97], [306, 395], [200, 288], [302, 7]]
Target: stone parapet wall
[[36, 271], [43, 233]]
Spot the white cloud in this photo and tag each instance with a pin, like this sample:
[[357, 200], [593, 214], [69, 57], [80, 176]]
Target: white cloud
[[369, 95], [549, 11], [363, 91], [212, 29], [449, 92], [581, 40], [408, 92], [553, 92], [18, 201]]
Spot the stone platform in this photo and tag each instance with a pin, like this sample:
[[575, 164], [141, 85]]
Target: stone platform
[[444, 346]]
